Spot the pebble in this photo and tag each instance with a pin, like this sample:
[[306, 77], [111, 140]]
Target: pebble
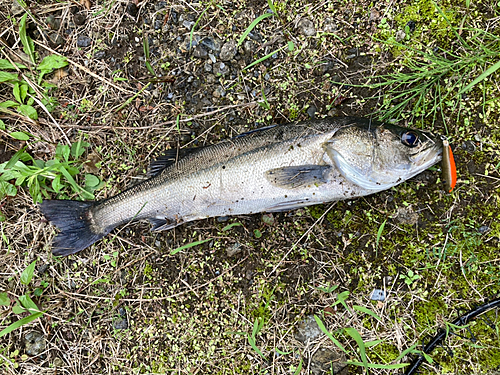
[[100, 55], [411, 26], [208, 67], [211, 43], [469, 146], [79, 19], [400, 35], [377, 295], [326, 361], [330, 26], [308, 330], [120, 324], [34, 343], [58, 362], [160, 5], [234, 249], [200, 52], [83, 41], [53, 22], [132, 9], [306, 27], [228, 51], [405, 215], [483, 229], [55, 39], [221, 69], [311, 111]]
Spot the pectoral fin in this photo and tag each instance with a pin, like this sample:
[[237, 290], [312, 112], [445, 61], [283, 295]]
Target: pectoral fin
[[298, 176]]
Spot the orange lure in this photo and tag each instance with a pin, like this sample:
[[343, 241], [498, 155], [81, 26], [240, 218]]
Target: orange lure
[[448, 166]]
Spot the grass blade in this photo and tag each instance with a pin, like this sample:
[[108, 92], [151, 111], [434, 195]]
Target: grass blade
[[252, 25], [492, 69], [359, 340], [229, 226], [29, 46], [367, 311], [20, 323], [187, 246], [328, 334], [375, 365], [265, 57]]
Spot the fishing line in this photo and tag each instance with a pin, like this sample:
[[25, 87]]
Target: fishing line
[[443, 333]]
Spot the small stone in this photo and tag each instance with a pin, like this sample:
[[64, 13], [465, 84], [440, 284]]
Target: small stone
[[160, 5], [211, 43], [308, 330], [42, 269], [411, 26], [83, 41], [220, 69], [330, 25], [79, 19], [200, 52], [311, 111], [405, 215], [58, 362], [306, 27], [374, 14], [120, 324], [400, 35], [122, 312], [99, 55], [53, 22], [55, 39], [228, 51], [208, 67], [377, 295], [16, 8], [483, 229], [469, 146], [327, 361], [132, 9], [187, 24], [234, 249], [34, 343]]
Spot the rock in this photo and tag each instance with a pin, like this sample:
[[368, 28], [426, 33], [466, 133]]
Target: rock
[[34, 343], [326, 361], [248, 46], [208, 67], [311, 111], [132, 9], [187, 44], [120, 324], [221, 69], [234, 249], [212, 44], [405, 215], [483, 229], [160, 5], [79, 19], [55, 39], [469, 146], [374, 14], [16, 9], [330, 26], [400, 35], [323, 68], [377, 295], [411, 26], [99, 55], [53, 22], [228, 51], [83, 41], [200, 52], [306, 27], [58, 362], [308, 330]]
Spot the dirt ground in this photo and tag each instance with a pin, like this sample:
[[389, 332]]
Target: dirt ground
[[244, 301]]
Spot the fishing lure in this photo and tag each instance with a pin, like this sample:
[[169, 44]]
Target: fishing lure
[[448, 166]]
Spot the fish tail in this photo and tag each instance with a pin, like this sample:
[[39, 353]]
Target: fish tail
[[74, 220]]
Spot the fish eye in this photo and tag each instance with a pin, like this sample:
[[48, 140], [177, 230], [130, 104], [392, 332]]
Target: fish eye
[[409, 139]]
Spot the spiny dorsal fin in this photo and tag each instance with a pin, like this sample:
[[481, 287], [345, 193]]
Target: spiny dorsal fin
[[297, 176], [169, 158]]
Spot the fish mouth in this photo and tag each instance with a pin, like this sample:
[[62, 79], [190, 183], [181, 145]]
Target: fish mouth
[[428, 156]]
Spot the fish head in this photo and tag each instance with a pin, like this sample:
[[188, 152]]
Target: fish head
[[378, 156]]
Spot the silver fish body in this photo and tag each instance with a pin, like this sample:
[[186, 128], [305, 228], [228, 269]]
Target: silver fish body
[[273, 169]]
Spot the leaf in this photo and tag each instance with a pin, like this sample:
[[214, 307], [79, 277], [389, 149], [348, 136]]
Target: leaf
[[16, 92], [7, 77], [359, 340], [257, 233], [299, 368], [252, 25], [291, 46], [78, 148], [56, 183], [196, 243], [21, 136], [271, 6], [20, 323], [7, 189], [23, 92], [2, 125], [367, 311], [379, 232], [15, 158], [28, 303], [229, 226], [9, 103], [29, 46], [27, 274], [328, 334], [4, 299], [28, 111], [63, 151], [6, 64], [341, 297], [51, 62], [91, 180]]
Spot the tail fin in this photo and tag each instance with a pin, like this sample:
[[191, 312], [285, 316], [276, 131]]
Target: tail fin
[[73, 218]]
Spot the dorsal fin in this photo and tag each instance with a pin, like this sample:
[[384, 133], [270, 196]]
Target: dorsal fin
[[169, 158]]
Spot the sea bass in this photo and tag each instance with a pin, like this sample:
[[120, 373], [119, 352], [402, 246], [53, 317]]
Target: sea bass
[[277, 168]]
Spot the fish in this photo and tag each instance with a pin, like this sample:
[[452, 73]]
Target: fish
[[272, 169]]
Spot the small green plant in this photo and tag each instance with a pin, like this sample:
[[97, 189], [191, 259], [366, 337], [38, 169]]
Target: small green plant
[[23, 88], [43, 177], [410, 278], [23, 304]]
